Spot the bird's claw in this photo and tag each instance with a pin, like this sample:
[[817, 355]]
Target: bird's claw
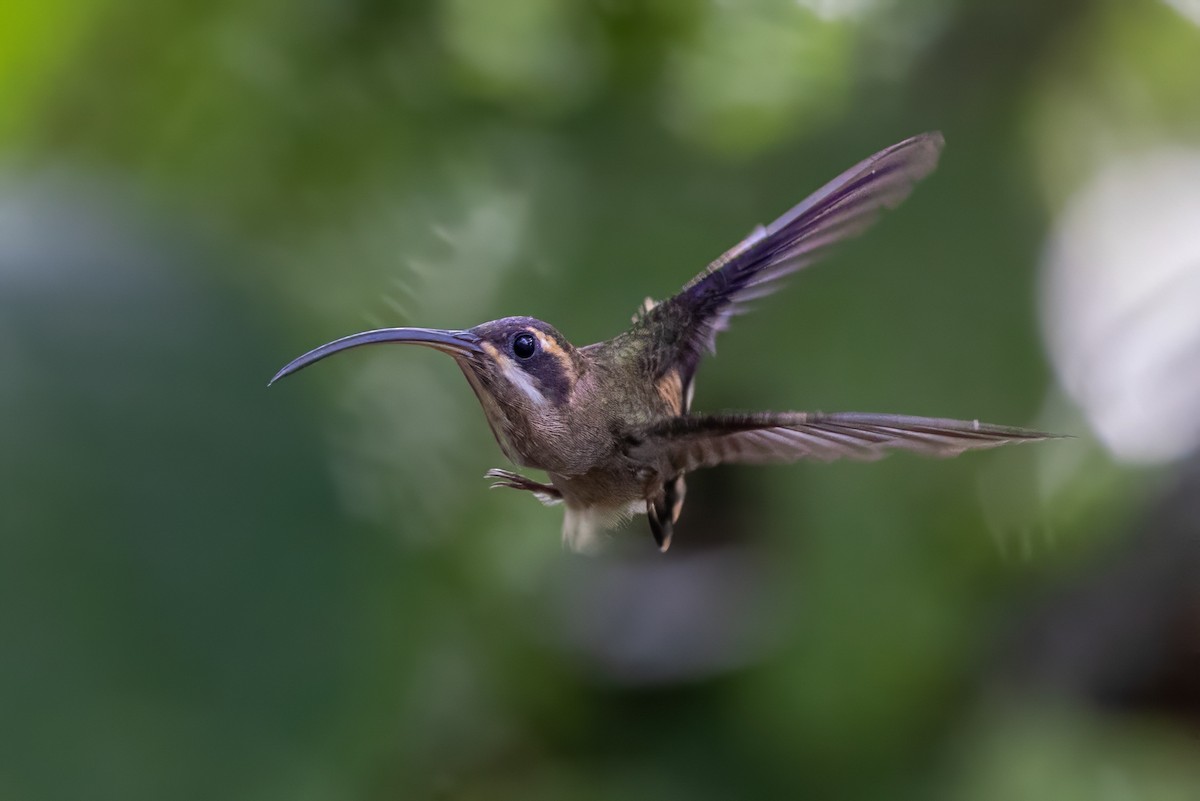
[[546, 493]]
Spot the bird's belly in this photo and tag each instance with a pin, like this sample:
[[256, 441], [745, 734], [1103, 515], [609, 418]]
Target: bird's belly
[[603, 488], [596, 503]]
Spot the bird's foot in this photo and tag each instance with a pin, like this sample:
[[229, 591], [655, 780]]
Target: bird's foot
[[546, 493]]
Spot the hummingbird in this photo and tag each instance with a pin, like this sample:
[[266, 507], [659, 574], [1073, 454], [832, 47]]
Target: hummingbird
[[611, 423]]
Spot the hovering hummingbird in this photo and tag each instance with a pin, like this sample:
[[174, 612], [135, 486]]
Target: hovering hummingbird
[[611, 423]]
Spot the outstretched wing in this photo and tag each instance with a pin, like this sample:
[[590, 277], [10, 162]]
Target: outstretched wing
[[680, 444], [841, 209]]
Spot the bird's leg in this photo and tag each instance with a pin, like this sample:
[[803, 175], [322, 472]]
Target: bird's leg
[[545, 493], [663, 510]]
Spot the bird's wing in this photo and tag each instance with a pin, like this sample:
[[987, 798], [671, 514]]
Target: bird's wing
[[689, 442], [841, 209]]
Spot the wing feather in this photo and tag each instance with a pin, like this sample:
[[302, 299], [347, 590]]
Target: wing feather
[[691, 442], [843, 208]]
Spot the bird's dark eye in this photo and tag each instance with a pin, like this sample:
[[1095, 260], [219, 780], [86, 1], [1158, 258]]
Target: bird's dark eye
[[524, 345]]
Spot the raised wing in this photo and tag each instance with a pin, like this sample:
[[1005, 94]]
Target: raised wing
[[841, 209], [680, 444]]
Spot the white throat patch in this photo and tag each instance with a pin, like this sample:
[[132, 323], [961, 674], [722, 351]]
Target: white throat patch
[[523, 381], [516, 376]]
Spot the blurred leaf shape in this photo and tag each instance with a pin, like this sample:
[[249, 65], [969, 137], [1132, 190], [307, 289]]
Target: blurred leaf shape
[[746, 79], [36, 40], [1124, 81], [535, 54]]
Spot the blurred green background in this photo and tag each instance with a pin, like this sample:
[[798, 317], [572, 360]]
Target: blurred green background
[[212, 590]]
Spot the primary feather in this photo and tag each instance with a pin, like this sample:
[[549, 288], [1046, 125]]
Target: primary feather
[[688, 323], [690, 442]]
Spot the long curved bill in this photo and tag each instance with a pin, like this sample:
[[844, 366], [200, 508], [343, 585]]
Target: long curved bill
[[455, 343]]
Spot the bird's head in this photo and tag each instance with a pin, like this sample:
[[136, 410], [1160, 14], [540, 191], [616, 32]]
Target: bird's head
[[522, 370]]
